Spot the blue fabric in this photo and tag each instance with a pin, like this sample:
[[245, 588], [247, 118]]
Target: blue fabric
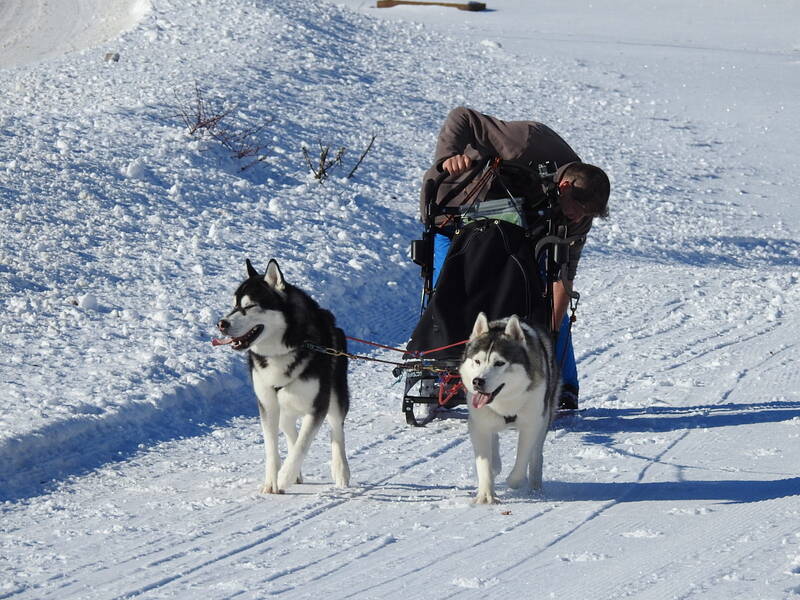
[[441, 244], [565, 355]]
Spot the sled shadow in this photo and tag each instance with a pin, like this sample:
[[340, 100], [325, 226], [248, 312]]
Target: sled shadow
[[659, 419], [723, 492], [600, 424]]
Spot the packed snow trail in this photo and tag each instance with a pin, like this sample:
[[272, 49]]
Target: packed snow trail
[[130, 453], [627, 485]]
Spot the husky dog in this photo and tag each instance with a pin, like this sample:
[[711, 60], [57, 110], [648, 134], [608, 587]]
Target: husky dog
[[510, 375], [277, 323]]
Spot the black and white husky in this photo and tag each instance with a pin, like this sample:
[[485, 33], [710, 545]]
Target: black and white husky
[[510, 375], [279, 324]]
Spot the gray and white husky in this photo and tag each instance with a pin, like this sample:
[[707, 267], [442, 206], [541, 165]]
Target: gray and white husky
[[278, 324], [510, 375]]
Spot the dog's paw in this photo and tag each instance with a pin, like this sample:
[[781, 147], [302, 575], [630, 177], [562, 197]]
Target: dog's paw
[[270, 488], [286, 478], [516, 483], [341, 475], [486, 498]]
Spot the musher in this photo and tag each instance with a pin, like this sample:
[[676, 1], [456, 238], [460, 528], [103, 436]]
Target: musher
[[468, 138]]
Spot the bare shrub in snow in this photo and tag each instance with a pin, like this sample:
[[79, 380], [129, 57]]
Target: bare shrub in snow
[[204, 119], [323, 163]]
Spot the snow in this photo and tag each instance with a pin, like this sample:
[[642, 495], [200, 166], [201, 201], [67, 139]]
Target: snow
[[130, 451], [37, 30]]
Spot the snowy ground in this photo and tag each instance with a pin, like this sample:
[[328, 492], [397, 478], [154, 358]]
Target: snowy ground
[[130, 452], [36, 30]]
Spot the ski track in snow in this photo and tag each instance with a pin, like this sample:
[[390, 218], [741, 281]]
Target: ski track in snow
[[130, 453]]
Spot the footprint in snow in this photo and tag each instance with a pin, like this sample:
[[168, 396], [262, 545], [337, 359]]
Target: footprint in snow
[[582, 557], [642, 533], [794, 569], [699, 510], [474, 583]]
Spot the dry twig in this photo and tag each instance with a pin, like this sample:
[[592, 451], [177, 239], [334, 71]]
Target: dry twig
[[324, 164], [363, 154]]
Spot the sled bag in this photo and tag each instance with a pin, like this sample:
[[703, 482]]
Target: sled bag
[[490, 267]]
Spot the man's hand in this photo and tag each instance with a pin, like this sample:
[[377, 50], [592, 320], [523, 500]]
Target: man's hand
[[457, 164]]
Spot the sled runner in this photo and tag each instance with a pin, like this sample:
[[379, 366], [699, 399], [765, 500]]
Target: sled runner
[[491, 245]]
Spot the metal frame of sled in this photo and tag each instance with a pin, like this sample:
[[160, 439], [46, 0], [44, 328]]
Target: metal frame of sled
[[446, 391]]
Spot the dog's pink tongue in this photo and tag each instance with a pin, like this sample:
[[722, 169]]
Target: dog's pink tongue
[[221, 342], [480, 399]]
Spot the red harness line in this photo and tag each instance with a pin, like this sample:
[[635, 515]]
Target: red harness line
[[415, 354], [451, 383]]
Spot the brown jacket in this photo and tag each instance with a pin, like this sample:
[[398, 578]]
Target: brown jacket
[[481, 137]]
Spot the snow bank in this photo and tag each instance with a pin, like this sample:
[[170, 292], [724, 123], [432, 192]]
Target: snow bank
[[36, 30]]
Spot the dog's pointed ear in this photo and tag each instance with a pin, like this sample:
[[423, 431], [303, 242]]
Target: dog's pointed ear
[[274, 277], [514, 329], [251, 270], [481, 326]]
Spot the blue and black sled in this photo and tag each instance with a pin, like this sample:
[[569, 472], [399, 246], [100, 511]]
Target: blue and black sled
[[491, 245]]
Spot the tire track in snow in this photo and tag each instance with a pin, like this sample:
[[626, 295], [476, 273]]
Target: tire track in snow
[[381, 541], [631, 377], [239, 549], [289, 523], [451, 555], [604, 508], [633, 492], [720, 555]]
